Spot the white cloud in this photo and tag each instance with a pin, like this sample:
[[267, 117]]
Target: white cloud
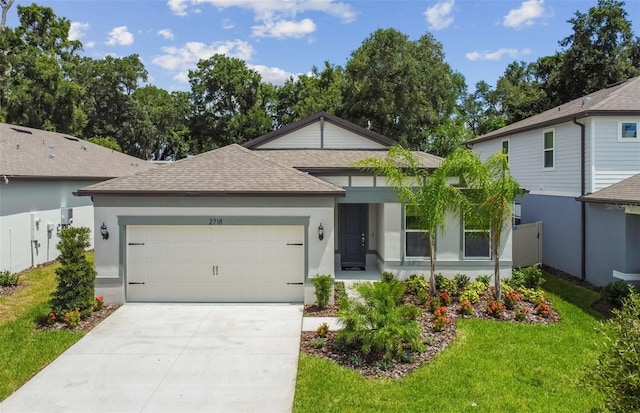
[[227, 24], [526, 15], [89, 44], [78, 30], [439, 16], [285, 28], [167, 34], [496, 55], [120, 36], [178, 7], [273, 75], [182, 59]]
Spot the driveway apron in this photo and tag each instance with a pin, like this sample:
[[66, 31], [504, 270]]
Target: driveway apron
[[174, 358]]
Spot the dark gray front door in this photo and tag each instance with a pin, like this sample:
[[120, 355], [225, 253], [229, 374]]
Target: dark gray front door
[[353, 234]]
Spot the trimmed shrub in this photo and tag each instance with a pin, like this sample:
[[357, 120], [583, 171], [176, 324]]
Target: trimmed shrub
[[449, 286], [376, 323], [323, 284], [76, 276], [462, 280], [8, 280], [484, 279], [387, 277], [417, 284], [528, 277], [616, 292], [617, 372]]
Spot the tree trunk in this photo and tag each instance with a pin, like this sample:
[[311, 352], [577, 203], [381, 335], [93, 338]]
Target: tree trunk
[[496, 269], [6, 5], [432, 264]]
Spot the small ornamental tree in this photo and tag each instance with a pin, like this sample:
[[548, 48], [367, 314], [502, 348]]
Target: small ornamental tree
[[76, 276]]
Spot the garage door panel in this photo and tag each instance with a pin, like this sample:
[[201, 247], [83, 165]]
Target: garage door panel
[[215, 264]]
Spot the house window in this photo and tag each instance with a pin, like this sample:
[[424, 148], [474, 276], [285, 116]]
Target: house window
[[628, 131], [477, 241], [416, 240], [505, 148], [549, 149]]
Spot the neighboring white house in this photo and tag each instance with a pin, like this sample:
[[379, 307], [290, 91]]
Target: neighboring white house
[[254, 223], [570, 151], [39, 171]]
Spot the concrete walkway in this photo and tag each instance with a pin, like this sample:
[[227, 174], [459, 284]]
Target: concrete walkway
[[174, 358]]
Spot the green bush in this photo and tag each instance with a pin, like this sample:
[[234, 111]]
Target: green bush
[[8, 280], [530, 295], [323, 284], [528, 277], [339, 290], [417, 284], [449, 286], [617, 372], [439, 280], [462, 280], [484, 279], [387, 277], [377, 324], [616, 292], [76, 276], [474, 291]]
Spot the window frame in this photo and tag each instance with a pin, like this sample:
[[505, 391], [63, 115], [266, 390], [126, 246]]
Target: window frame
[[465, 231], [426, 236], [625, 138], [552, 149], [502, 147]]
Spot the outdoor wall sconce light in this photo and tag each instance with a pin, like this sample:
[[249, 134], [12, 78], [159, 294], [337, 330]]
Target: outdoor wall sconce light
[[104, 232], [320, 232]]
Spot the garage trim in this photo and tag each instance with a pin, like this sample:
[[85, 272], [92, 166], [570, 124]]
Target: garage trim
[[204, 220]]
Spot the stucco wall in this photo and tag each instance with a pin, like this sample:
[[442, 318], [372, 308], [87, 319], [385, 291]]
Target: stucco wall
[[606, 246]]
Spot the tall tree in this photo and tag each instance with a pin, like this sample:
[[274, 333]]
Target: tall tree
[[489, 191], [398, 87], [602, 50], [428, 194], [6, 5], [231, 104]]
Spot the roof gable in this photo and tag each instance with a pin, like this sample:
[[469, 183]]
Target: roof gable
[[619, 99], [27, 153], [228, 171], [321, 131]]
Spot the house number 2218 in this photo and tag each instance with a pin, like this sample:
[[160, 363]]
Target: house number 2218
[[215, 221]]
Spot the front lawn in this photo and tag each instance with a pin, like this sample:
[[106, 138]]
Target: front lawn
[[23, 350], [491, 366]]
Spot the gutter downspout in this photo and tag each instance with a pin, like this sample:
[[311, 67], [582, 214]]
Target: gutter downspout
[[583, 221]]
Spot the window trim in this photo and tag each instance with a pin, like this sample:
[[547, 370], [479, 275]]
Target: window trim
[[552, 149], [464, 242], [508, 142], [626, 139], [414, 257]]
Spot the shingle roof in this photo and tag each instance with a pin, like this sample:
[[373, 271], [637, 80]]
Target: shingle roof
[[255, 143], [620, 99], [228, 171], [27, 153], [626, 191], [317, 160]]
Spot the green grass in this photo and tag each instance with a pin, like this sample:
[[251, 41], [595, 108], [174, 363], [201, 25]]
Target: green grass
[[490, 367], [582, 297], [23, 350]]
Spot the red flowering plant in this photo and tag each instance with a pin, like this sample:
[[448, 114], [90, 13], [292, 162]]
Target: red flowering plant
[[445, 298], [521, 313], [465, 307], [495, 309], [511, 299], [51, 318], [99, 303], [72, 318], [543, 309], [441, 319], [433, 304]]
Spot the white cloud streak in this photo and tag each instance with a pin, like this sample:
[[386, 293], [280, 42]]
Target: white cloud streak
[[439, 16], [284, 29], [166, 34], [524, 16], [120, 36], [497, 54], [78, 30]]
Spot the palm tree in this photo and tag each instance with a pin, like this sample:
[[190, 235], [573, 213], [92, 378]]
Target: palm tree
[[428, 193], [489, 190]]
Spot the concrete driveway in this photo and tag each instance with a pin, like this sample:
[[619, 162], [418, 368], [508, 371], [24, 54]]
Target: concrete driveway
[[174, 358]]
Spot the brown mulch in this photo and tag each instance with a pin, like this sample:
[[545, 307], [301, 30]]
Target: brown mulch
[[312, 310], [86, 324], [4, 291], [435, 342]]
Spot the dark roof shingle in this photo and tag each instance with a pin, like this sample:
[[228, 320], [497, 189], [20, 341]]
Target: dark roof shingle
[[625, 191]]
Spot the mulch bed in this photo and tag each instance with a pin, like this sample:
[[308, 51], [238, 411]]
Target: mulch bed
[[4, 291], [86, 324], [312, 310], [436, 341]]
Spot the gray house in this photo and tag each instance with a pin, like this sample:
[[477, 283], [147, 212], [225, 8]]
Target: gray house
[[39, 171], [561, 156], [254, 223]]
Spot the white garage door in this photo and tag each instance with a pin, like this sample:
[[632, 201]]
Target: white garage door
[[215, 263]]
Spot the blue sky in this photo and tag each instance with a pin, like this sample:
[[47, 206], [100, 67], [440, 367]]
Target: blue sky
[[280, 38]]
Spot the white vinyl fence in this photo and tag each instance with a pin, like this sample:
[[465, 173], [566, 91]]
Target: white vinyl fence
[[527, 244]]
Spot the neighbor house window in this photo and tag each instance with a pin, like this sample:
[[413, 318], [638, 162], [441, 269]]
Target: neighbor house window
[[505, 148], [477, 241], [549, 149], [628, 131], [416, 240]]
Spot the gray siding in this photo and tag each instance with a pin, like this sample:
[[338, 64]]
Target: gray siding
[[561, 246], [614, 160]]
